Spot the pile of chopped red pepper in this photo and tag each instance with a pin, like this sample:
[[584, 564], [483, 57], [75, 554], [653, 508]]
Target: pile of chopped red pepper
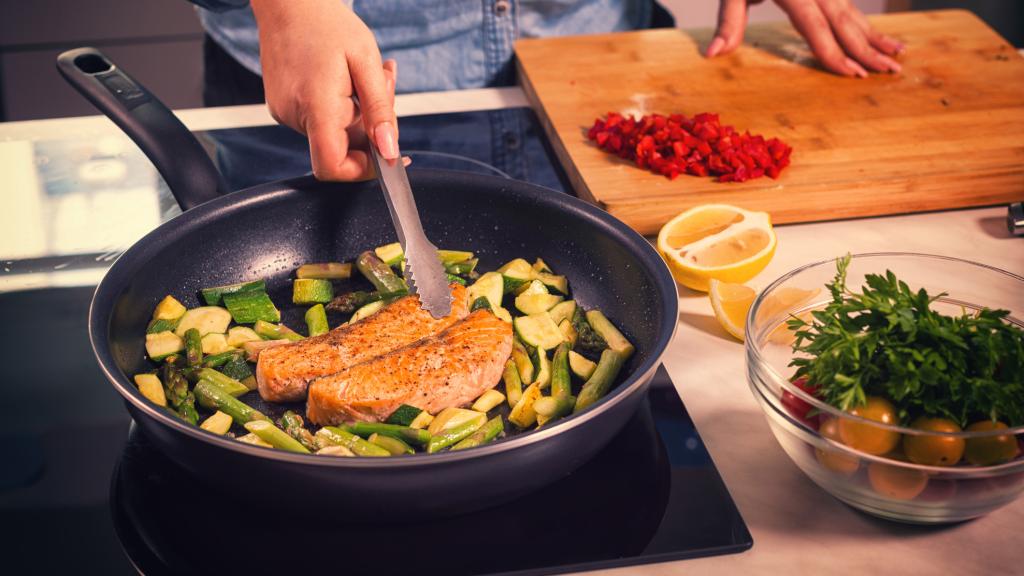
[[674, 144]]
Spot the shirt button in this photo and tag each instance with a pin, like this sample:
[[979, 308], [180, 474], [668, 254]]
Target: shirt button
[[501, 7], [511, 140]]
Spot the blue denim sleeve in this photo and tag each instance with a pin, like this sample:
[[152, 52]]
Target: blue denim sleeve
[[220, 5]]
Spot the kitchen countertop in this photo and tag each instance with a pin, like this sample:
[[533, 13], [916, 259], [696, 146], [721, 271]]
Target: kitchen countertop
[[796, 526]]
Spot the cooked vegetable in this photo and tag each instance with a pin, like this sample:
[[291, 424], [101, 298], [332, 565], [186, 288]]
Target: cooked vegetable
[[193, 347], [450, 417], [213, 395], [364, 429], [325, 271], [169, 309], [488, 401], [238, 335], [587, 339], [218, 423], [276, 331], [484, 434], [380, 275], [214, 344], [293, 425], [452, 278], [163, 344], [176, 387], [335, 451], [886, 341], [157, 325], [250, 306], [404, 415], [561, 401], [934, 450], [536, 299], [538, 330], [334, 436], [524, 365], [422, 421], [316, 320], [455, 434], [368, 310], [490, 286], [393, 445], [562, 311], [513, 384], [481, 303], [462, 268], [251, 438], [213, 296], [150, 387], [253, 349], [610, 334], [503, 314], [559, 283], [515, 273], [312, 291], [539, 265], [598, 385], [581, 366], [390, 254], [206, 319], [236, 367], [222, 381], [539, 357], [523, 414], [449, 257], [348, 302], [568, 332], [275, 436]]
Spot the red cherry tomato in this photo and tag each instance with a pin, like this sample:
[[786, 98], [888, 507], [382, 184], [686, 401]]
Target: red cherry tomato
[[799, 407]]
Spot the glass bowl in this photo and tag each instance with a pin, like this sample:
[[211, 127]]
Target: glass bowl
[[877, 478]]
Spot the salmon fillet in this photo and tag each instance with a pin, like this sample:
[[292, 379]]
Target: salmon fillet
[[283, 372], [449, 369]]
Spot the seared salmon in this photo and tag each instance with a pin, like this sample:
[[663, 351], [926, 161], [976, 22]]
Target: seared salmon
[[283, 372], [449, 369]]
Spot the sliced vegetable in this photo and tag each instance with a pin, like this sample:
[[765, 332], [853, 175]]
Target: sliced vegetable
[[561, 401], [539, 357], [213, 296], [169, 309], [214, 344], [250, 306], [454, 434], [276, 331], [503, 315], [486, 433], [539, 265], [316, 320], [275, 436], [157, 325], [239, 335], [422, 421], [587, 339], [488, 401], [350, 301], [219, 423], [312, 291], [393, 445], [523, 415], [403, 415], [449, 257], [251, 438], [222, 381], [536, 300], [253, 349], [604, 376], [451, 417], [481, 303], [193, 347], [211, 394], [490, 286], [524, 365], [335, 451], [368, 310], [206, 319], [163, 344], [334, 436], [236, 367], [568, 332], [462, 268], [515, 273], [453, 279], [390, 254], [538, 330], [549, 408], [380, 274], [221, 358], [562, 311], [611, 335], [581, 365], [365, 429], [560, 283], [150, 387], [513, 384], [325, 271]]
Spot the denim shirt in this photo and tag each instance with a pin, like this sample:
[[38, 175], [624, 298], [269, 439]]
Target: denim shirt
[[443, 44]]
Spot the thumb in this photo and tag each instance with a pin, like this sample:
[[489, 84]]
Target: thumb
[[732, 20], [376, 103]]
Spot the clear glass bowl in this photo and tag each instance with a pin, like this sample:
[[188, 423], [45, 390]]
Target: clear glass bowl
[[811, 432]]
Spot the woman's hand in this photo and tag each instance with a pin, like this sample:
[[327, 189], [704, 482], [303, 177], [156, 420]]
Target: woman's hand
[[314, 54], [838, 33]]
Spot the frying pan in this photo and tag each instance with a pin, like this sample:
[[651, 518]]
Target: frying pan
[[268, 230]]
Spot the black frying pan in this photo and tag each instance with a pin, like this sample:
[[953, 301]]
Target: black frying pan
[[268, 230]]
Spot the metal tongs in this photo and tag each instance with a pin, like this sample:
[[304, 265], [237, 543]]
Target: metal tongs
[[423, 270]]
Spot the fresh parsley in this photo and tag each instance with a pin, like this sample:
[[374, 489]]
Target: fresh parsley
[[887, 341]]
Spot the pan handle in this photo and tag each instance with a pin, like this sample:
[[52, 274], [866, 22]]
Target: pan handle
[[177, 155]]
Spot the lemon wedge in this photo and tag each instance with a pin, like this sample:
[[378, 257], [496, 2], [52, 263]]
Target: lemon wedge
[[731, 302], [785, 301], [717, 241]]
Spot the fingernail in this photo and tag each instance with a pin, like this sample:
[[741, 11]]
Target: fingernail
[[384, 136], [857, 69], [894, 66], [715, 47], [900, 47], [406, 161]]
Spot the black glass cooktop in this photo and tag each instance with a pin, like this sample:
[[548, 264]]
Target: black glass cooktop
[[82, 492]]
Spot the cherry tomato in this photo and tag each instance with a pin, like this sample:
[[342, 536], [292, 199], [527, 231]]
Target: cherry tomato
[[896, 482], [934, 450], [868, 437], [799, 407], [990, 450], [831, 458]]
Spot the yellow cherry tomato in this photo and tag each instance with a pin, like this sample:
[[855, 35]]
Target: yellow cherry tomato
[[896, 482], [831, 458], [934, 450], [990, 450], [868, 437]]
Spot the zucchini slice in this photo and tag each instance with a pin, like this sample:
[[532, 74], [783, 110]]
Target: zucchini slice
[[538, 330], [539, 356], [581, 366], [212, 296], [490, 286], [503, 314], [540, 265], [239, 335], [168, 309], [488, 400], [615, 340], [560, 283], [449, 257], [515, 274], [523, 415], [215, 344], [562, 311], [422, 420], [206, 319], [450, 418], [568, 332], [404, 415], [161, 325], [150, 387], [521, 358], [219, 423], [162, 344], [248, 307], [536, 303], [368, 310], [391, 254], [311, 291]]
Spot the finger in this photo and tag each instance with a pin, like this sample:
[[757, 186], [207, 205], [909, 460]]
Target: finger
[[329, 149], [369, 81], [391, 73], [855, 42], [881, 42], [732, 20], [809, 20]]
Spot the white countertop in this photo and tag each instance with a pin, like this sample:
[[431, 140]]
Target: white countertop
[[797, 527]]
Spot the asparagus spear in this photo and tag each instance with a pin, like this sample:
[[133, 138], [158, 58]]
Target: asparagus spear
[[587, 338], [316, 320], [175, 385], [455, 434], [276, 331], [238, 410], [489, 431], [416, 436], [222, 381], [513, 385], [217, 360], [275, 436], [393, 445], [292, 424], [334, 436], [561, 400], [380, 274], [349, 302], [325, 271], [597, 386], [193, 347], [187, 409], [212, 296], [452, 278]]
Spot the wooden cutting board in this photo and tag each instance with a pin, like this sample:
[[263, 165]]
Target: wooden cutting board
[[946, 133]]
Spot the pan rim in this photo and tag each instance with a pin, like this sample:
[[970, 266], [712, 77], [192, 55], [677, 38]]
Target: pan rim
[[99, 326]]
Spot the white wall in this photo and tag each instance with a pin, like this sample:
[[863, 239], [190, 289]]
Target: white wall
[[704, 13]]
